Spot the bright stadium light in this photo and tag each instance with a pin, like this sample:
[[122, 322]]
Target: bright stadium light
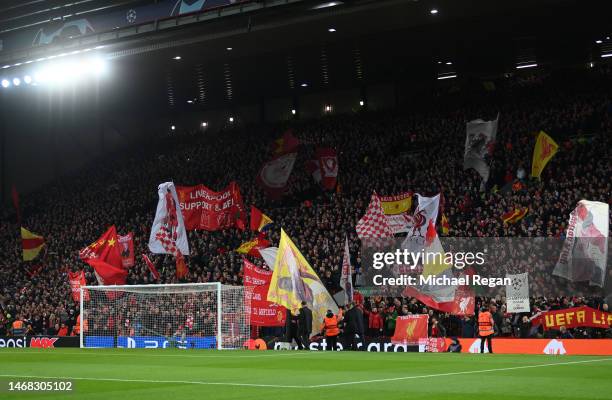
[[176, 57], [99, 66], [5, 83], [598, 41], [447, 76], [27, 79], [229, 48], [332, 30], [16, 81], [361, 103], [606, 55], [204, 124], [304, 84], [293, 111], [433, 11], [528, 65], [231, 120], [172, 127]]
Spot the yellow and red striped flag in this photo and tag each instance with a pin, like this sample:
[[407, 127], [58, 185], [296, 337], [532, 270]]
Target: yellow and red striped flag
[[31, 243]]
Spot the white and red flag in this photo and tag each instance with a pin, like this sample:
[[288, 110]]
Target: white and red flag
[[274, 175], [374, 222], [168, 234], [584, 255]]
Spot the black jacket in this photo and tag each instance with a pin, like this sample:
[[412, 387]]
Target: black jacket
[[305, 325], [353, 322]]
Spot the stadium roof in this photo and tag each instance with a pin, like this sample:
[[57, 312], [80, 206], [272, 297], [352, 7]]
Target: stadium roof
[[285, 48]]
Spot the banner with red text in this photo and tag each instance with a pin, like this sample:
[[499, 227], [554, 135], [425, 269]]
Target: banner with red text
[[77, 279], [203, 208], [573, 318], [263, 312]]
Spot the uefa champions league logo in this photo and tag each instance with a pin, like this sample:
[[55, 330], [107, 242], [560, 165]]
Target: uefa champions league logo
[[131, 16]]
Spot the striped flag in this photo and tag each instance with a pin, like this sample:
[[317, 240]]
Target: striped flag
[[31, 243]]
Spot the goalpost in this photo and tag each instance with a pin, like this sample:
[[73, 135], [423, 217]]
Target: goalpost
[[186, 316]]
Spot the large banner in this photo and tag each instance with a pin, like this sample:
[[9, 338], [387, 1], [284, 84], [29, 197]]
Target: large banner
[[328, 165], [479, 145], [203, 208], [396, 210], [410, 329], [127, 249], [77, 279], [585, 250], [573, 318], [599, 347], [263, 312], [517, 293], [294, 281], [274, 175], [168, 235]]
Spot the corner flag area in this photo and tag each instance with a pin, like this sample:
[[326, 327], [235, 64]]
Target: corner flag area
[[170, 374]]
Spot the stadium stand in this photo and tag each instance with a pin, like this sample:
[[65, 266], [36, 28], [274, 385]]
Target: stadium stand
[[391, 151]]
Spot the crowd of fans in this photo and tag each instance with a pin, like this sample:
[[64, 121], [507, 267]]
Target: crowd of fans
[[419, 150]]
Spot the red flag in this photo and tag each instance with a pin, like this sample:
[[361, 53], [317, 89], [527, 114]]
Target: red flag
[[286, 144], [15, 196], [151, 267], [203, 208], [462, 303], [104, 255], [259, 221], [76, 280], [263, 312], [410, 328], [182, 270], [328, 165], [127, 249]]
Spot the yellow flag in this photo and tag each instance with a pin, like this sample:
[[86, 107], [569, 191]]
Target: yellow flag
[[31, 243], [545, 148], [294, 281], [398, 204]]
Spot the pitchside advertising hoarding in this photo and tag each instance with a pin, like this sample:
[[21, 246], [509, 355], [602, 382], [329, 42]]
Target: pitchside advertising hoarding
[[468, 345], [38, 342]]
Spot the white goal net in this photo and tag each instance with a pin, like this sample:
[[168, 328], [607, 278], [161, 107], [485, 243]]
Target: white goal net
[[185, 316]]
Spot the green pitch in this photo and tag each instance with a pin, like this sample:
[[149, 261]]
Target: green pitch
[[131, 374]]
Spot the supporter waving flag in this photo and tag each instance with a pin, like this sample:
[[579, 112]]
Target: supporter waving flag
[[294, 281], [104, 256], [32, 244], [274, 175], [374, 223], [168, 234], [545, 149], [328, 167], [259, 221], [479, 145]]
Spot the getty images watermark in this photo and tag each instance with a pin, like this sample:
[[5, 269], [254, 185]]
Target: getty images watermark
[[435, 266], [390, 267]]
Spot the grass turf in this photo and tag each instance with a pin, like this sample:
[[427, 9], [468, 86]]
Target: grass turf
[[169, 374]]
